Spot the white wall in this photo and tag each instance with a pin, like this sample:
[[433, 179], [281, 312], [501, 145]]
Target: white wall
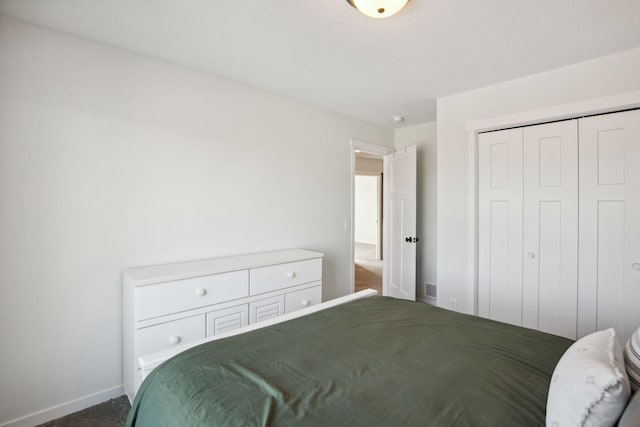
[[111, 160], [365, 226], [424, 137], [605, 76]]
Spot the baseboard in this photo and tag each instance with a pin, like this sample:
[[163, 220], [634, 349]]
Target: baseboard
[[366, 243], [65, 408], [428, 300]]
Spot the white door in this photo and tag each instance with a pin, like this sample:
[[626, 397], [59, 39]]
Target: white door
[[401, 256], [550, 232], [500, 226], [609, 272]]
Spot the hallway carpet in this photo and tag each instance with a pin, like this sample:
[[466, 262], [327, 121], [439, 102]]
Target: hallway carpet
[[368, 270]]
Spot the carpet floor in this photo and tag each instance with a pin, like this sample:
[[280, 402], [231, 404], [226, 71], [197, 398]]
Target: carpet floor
[[112, 413], [368, 270]]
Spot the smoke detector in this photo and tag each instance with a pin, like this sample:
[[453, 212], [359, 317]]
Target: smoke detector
[[397, 119]]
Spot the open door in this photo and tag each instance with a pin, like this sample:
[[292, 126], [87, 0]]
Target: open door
[[402, 239]]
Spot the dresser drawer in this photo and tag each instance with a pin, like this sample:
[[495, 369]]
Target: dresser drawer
[[280, 276], [301, 299], [228, 319], [165, 335], [180, 295], [266, 309]]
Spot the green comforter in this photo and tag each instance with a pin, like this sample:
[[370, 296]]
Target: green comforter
[[372, 362]]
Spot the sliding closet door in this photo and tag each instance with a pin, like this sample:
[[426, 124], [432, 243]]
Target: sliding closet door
[[550, 235], [500, 226], [609, 275]]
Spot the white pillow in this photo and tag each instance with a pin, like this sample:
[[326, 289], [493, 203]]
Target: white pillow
[[632, 360], [589, 386]]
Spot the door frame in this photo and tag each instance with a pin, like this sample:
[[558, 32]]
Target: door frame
[[602, 105], [384, 151]]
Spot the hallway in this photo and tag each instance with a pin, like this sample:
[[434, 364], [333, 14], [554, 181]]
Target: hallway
[[368, 270]]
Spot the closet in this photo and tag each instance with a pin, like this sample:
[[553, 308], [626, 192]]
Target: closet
[[559, 225]]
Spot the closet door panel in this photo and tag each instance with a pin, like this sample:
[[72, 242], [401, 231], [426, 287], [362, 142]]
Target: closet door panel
[[610, 238], [609, 269], [550, 236], [543, 311], [500, 226]]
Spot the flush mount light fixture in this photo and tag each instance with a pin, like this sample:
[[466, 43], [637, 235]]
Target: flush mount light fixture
[[378, 8]]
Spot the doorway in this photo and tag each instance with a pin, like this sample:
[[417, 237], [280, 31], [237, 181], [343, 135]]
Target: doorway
[[398, 222], [373, 252], [367, 221]]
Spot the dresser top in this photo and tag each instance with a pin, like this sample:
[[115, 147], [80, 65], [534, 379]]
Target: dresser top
[[142, 276]]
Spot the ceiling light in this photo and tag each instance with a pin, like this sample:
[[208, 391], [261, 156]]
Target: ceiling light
[[397, 119], [378, 8]]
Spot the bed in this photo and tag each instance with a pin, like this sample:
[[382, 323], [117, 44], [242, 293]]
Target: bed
[[373, 361]]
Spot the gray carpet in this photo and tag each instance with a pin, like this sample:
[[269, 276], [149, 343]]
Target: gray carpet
[[112, 413]]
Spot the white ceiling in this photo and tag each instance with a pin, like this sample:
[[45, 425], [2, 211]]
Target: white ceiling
[[324, 52]]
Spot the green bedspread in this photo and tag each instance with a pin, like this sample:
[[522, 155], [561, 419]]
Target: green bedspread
[[372, 362]]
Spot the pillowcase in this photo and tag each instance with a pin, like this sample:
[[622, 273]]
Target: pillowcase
[[632, 359], [589, 386]]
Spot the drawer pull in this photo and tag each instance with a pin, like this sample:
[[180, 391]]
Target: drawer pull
[[174, 340], [306, 302], [201, 292], [291, 275]]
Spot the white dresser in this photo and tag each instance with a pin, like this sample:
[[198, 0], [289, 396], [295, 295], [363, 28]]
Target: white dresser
[[172, 304]]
